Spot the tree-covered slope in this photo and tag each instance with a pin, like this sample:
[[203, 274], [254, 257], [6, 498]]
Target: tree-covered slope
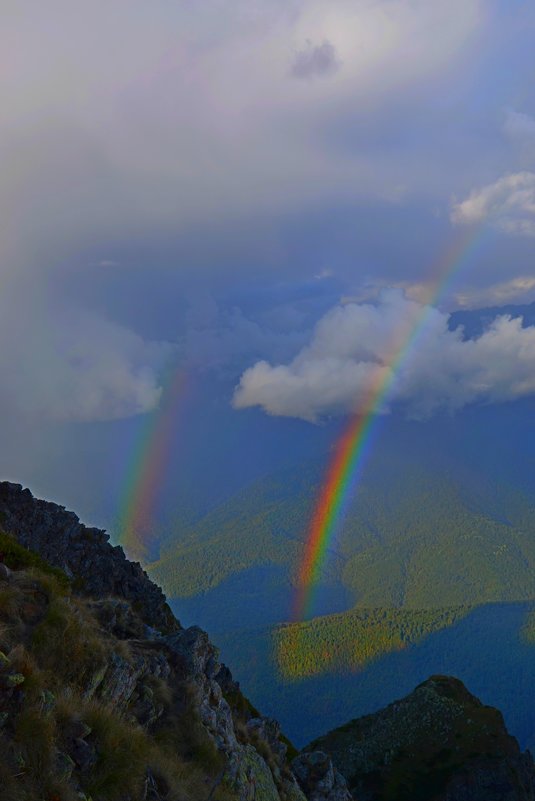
[[349, 641], [413, 536]]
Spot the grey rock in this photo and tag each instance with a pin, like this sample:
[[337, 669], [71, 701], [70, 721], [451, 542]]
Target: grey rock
[[319, 779]]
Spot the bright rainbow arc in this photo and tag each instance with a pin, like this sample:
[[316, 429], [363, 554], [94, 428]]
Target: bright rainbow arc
[[352, 447], [148, 466]]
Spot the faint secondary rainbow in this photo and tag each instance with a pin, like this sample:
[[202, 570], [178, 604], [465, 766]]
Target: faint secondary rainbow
[[351, 449], [146, 471]]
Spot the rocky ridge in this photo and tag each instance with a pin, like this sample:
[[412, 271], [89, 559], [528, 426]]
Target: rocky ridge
[[83, 553], [440, 743]]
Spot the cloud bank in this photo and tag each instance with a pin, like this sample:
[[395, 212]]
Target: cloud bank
[[353, 346]]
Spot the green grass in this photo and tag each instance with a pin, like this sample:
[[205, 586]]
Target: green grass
[[17, 557], [53, 647]]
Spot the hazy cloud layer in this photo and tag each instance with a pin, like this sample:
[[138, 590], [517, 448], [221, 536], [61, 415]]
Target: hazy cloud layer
[[518, 124], [508, 204], [154, 117], [353, 346], [71, 365]]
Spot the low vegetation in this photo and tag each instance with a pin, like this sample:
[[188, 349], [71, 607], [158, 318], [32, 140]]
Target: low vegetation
[[62, 741]]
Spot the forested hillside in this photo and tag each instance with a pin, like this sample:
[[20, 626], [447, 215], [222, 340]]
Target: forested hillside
[[411, 537]]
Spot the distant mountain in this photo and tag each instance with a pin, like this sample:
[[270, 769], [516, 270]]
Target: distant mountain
[[417, 534]]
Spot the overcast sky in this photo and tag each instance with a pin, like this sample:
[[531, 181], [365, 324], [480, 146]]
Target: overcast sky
[[260, 189]]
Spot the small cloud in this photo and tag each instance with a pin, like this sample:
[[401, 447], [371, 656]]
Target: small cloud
[[521, 288], [324, 274], [316, 61], [518, 125], [508, 204], [107, 263]]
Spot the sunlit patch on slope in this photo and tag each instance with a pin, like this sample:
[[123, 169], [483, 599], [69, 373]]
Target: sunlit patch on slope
[[351, 640]]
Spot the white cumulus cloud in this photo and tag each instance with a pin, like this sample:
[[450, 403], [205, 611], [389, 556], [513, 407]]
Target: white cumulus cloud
[[353, 348], [508, 204]]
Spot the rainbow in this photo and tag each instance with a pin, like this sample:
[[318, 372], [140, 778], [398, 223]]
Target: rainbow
[[147, 467], [351, 449]]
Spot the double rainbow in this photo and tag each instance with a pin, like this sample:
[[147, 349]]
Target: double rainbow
[[351, 449]]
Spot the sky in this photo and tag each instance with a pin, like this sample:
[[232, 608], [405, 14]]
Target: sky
[[255, 193]]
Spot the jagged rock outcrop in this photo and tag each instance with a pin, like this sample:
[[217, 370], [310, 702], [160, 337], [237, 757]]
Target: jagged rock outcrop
[[440, 743], [319, 779], [133, 660], [83, 553]]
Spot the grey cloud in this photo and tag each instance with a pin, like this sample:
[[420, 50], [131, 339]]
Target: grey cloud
[[66, 364], [229, 338], [173, 115], [348, 360], [316, 61]]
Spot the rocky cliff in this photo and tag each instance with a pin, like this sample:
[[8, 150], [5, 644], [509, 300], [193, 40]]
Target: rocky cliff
[[105, 696], [440, 743], [97, 568]]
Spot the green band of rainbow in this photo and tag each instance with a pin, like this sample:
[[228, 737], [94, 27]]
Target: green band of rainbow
[[353, 445]]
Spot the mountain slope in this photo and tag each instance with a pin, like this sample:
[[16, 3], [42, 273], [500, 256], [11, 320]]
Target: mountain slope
[[440, 743], [415, 535]]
